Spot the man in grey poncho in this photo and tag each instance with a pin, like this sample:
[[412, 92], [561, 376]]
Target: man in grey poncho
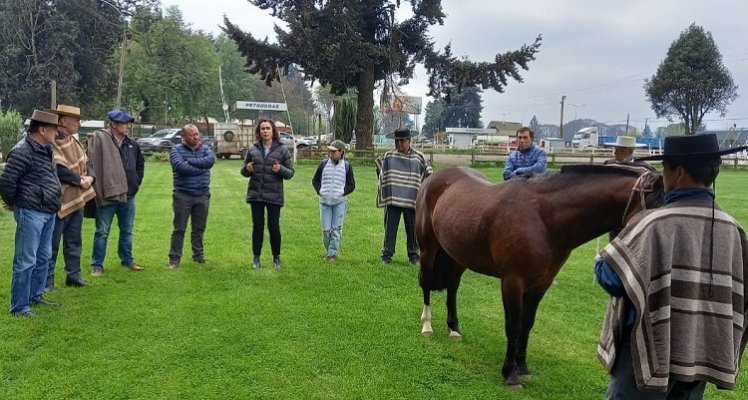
[[676, 274], [400, 173]]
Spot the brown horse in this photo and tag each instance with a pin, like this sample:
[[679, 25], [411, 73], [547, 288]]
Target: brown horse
[[522, 232]]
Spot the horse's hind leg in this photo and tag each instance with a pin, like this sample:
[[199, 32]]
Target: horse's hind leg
[[425, 279], [511, 290], [426, 329], [530, 303]]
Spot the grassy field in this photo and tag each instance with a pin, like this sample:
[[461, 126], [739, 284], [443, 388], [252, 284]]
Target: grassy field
[[312, 330]]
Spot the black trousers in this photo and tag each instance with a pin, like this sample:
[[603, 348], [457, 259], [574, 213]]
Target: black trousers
[[258, 224], [391, 224], [622, 385], [195, 209], [67, 230]]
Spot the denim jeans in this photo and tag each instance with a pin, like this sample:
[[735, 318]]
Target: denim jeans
[[68, 230], [332, 225], [33, 249], [194, 208], [125, 213]]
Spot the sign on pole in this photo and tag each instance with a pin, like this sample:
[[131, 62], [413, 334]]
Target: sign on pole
[[260, 106], [405, 104]]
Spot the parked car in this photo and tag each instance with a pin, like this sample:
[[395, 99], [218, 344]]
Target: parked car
[[301, 143], [161, 141]]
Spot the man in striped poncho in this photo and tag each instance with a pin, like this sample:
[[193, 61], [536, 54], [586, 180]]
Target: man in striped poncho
[[676, 274], [400, 173]]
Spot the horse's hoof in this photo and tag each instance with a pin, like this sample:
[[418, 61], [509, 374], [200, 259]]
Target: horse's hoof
[[454, 335], [514, 383], [426, 333]]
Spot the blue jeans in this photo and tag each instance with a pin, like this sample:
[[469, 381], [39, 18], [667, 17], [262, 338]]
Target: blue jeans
[[33, 250], [332, 225], [125, 213]]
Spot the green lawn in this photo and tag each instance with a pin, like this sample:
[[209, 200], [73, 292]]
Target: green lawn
[[311, 330]]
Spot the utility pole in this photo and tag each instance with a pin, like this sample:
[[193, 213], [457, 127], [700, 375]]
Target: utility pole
[[54, 94], [627, 125], [121, 65], [561, 124]]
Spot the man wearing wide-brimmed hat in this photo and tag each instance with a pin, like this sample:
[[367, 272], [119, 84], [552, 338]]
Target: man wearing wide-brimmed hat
[[400, 173], [623, 153], [29, 186], [74, 173], [677, 277], [119, 168]]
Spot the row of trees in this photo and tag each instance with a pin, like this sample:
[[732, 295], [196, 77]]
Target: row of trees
[[171, 72]]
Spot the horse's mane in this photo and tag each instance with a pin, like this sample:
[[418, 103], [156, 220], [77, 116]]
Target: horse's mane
[[618, 169], [571, 175]]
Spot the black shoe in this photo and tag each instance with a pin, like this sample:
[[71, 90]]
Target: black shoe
[[386, 261], [43, 300], [256, 262], [27, 314], [75, 282], [277, 261], [415, 261], [199, 260]]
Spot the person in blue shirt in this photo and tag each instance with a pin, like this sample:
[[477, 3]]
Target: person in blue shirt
[[527, 160], [191, 162]]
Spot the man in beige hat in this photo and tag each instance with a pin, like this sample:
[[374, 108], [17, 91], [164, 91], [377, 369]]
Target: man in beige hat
[[29, 186], [623, 151], [74, 174]]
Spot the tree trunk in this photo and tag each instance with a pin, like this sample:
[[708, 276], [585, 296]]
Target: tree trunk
[[365, 114]]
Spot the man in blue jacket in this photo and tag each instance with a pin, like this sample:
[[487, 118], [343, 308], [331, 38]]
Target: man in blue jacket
[[191, 163], [30, 188], [527, 160]]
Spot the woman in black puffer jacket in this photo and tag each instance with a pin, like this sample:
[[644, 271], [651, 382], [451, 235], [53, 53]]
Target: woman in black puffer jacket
[[267, 164]]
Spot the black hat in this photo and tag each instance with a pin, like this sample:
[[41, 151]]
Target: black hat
[[402, 133], [704, 146]]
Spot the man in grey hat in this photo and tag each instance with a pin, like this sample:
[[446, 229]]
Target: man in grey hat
[[30, 188], [120, 167], [676, 274], [76, 180], [400, 173]]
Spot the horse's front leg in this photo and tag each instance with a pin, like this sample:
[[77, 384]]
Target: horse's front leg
[[512, 300], [530, 304], [453, 322]]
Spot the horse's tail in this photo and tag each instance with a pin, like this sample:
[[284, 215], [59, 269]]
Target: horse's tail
[[437, 276]]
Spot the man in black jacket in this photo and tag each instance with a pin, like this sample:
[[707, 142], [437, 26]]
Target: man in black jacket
[[30, 188], [119, 167]]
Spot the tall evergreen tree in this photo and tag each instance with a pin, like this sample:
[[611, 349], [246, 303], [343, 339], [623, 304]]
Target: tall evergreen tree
[[353, 44], [692, 80]]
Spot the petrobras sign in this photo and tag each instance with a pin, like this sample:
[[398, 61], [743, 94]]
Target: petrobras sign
[[260, 106]]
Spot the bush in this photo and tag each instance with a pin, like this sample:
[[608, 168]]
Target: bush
[[11, 124], [158, 157]]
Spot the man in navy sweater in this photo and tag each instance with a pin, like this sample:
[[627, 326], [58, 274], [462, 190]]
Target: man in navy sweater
[[191, 162]]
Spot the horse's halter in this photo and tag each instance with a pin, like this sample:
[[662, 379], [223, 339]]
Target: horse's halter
[[644, 184]]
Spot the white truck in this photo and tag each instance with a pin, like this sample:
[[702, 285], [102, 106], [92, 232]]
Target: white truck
[[585, 137]]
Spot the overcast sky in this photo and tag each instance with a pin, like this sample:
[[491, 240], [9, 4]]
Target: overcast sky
[[595, 52]]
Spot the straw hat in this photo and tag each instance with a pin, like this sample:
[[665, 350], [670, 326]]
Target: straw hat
[[67, 111], [625, 141]]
